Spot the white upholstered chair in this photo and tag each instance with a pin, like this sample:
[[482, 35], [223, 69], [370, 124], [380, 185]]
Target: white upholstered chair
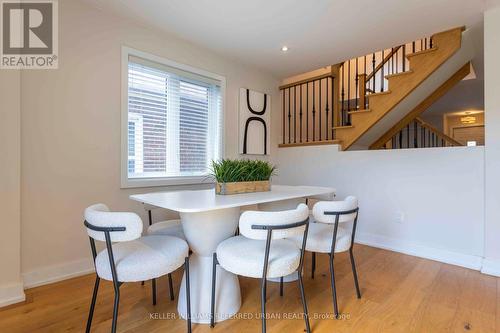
[[128, 257], [263, 251], [321, 197], [333, 232], [167, 228], [164, 228]]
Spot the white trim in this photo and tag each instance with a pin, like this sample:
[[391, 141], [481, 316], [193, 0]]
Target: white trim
[[58, 272], [11, 294], [419, 250], [164, 181], [168, 181], [491, 266]]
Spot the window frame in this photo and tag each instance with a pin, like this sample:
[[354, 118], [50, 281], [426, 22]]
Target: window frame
[[127, 182]]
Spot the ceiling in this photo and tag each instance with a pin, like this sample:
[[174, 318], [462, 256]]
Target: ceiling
[[318, 33]]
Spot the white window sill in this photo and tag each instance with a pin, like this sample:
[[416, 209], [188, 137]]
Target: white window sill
[[167, 181]]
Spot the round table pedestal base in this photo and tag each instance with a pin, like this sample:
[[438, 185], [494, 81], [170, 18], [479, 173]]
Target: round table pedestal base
[[227, 292]]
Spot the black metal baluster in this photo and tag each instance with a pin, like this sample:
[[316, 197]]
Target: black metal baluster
[[397, 59], [364, 88], [307, 112], [333, 110], [348, 86], [357, 87], [295, 114], [404, 58], [413, 46], [319, 127], [342, 94], [289, 118], [392, 61], [400, 139], [300, 113], [408, 136], [326, 110], [422, 136], [284, 116], [421, 44], [415, 139], [382, 75], [373, 71], [314, 110], [430, 42]]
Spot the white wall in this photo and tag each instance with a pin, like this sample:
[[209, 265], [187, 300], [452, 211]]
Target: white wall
[[11, 288], [492, 144], [440, 191], [71, 132]]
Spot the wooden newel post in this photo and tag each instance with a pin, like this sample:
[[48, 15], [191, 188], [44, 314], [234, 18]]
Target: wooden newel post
[[336, 94]]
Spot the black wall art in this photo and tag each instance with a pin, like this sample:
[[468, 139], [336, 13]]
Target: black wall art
[[254, 122]]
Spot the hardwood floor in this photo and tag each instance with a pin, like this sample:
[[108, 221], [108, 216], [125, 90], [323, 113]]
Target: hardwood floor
[[400, 293]]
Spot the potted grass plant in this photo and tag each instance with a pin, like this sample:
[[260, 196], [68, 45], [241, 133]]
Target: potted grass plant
[[242, 176]]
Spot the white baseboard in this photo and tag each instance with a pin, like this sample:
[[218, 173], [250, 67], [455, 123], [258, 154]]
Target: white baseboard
[[491, 266], [14, 293], [57, 272], [419, 250], [11, 293]]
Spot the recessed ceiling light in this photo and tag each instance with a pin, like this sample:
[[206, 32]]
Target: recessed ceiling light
[[284, 48]]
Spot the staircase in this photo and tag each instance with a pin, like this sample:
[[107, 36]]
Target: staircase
[[419, 134], [360, 109]]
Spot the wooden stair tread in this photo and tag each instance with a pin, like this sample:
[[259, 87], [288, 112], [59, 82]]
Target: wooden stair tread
[[398, 74], [409, 55], [342, 127], [359, 111], [379, 93]]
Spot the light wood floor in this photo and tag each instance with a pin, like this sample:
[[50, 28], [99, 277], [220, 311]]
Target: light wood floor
[[400, 294]]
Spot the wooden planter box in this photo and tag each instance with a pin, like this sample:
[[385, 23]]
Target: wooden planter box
[[242, 187]]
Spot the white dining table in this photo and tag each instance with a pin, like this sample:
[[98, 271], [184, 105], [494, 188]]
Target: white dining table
[[208, 219]]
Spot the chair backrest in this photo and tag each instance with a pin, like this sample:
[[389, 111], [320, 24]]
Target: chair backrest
[[99, 216], [277, 219], [345, 205]]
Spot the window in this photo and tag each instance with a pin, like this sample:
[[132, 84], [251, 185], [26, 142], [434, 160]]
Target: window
[[172, 121]]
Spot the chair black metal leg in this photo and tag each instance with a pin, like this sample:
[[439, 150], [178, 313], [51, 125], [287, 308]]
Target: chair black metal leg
[[188, 294], [115, 310], [171, 287], [212, 304], [153, 287], [354, 273], [334, 291], [304, 304], [92, 304], [263, 304], [281, 286], [313, 264]]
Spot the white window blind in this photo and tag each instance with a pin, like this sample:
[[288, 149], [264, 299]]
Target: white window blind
[[174, 121]]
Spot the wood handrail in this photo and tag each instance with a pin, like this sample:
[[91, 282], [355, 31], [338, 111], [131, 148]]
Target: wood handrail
[[311, 79], [386, 59], [440, 134]]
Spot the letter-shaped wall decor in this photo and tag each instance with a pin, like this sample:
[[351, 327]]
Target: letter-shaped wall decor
[[254, 122]]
